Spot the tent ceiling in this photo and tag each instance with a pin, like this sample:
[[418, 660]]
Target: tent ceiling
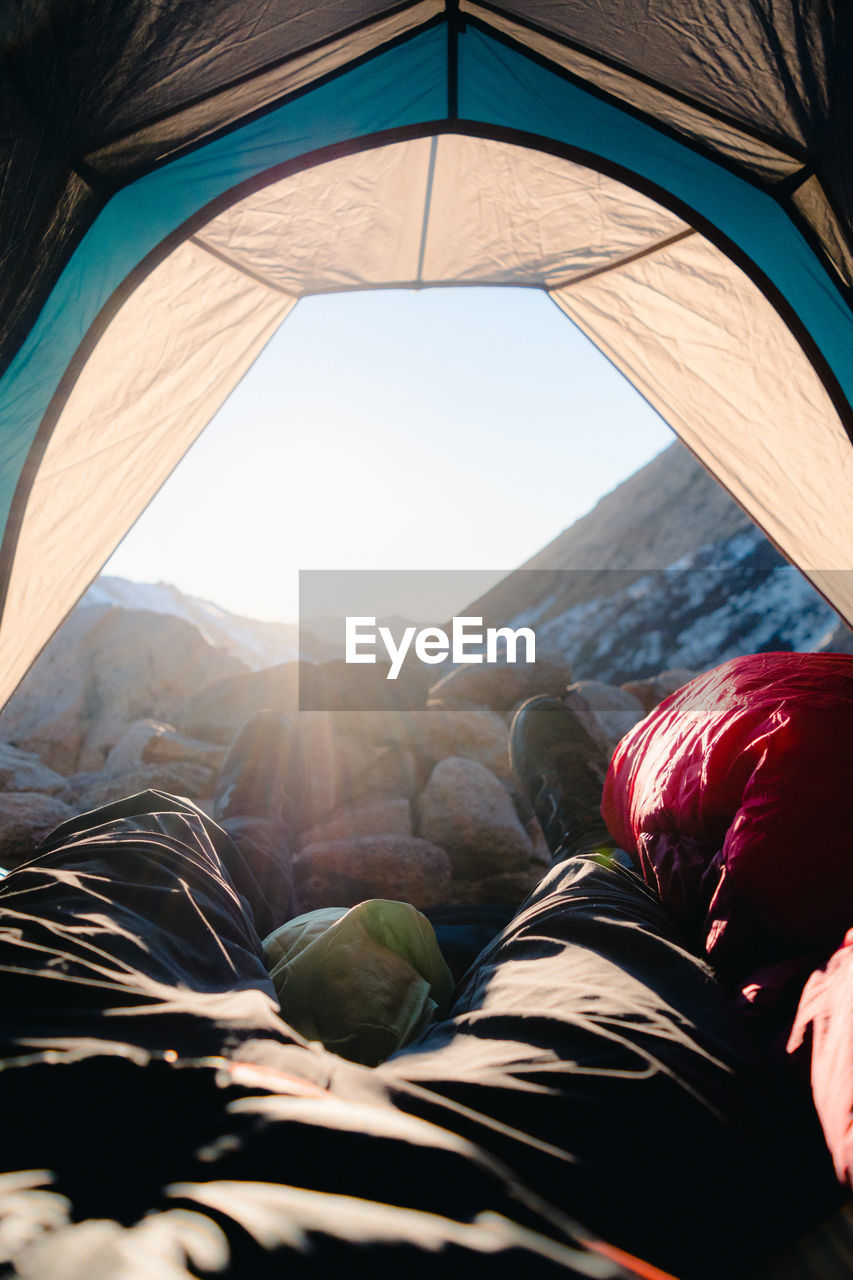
[[447, 210], [91, 97], [689, 328], [157, 159], [691, 117]]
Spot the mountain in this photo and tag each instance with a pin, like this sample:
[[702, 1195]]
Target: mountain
[[665, 571], [254, 643], [143, 687]]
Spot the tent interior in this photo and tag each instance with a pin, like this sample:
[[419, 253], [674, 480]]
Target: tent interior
[[669, 196]]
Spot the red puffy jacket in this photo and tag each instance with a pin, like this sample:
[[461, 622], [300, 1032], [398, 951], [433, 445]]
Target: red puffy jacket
[[736, 797]]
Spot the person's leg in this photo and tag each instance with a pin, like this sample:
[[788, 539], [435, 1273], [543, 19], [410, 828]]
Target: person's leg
[[560, 764], [597, 1057], [133, 988], [595, 1054], [133, 922]]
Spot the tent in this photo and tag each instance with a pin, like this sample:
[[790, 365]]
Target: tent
[[677, 175]]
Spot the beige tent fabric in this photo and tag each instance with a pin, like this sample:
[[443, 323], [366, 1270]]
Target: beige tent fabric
[[508, 215], [174, 352], [702, 344], [351, 223], [447, 210], [688, 328]]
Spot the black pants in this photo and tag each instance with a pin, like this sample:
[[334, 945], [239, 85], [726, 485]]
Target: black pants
[[591, 1072]]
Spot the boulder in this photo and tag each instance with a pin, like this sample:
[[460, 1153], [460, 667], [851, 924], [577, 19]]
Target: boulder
[[502, 685], [25, 819], [385, 816], [48, 712], [391, 772], [654, 689], [152, 742], [466, 809], [180, 778], [104, 669], [614, 710], [342, 873], [482, 736], [344, 686], [333, 769], [431, 735], [338, 771], [23, 771], [217, 712]]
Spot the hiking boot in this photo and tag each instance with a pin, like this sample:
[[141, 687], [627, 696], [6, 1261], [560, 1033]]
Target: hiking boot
[[561, 768], [261, 775]]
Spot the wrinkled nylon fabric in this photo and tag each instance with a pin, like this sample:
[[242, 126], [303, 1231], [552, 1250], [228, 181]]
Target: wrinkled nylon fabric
[[132, 969], [364, 981], [733, 796], [711, 141]]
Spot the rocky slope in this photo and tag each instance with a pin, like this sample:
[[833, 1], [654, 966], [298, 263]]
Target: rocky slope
[[254, 643], [665, 571], [144, 687]]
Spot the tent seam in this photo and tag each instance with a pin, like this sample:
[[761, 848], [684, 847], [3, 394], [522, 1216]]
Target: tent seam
[[624, 261], [239, 267], [666, 91], [433, 150], [454, 25], [248, 76], [133, 174]]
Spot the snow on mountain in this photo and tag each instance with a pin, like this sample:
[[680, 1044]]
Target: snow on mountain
[[719, 602], [257, 644], [666, 571]]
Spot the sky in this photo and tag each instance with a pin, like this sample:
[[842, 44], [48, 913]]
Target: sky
[[436, 429]]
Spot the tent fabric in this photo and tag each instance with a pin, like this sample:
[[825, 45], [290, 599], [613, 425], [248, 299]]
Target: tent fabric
[[775, 71], [173, 354], [439, 144], [728, 139], [705, 348], [732, 796], [441, 210]]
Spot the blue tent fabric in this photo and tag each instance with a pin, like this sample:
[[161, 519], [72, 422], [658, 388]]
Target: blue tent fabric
[[139, 125], [395, 89], [407, 87]]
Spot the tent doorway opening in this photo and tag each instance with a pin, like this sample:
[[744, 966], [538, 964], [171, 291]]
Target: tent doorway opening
[[445, 429], [697, 335]]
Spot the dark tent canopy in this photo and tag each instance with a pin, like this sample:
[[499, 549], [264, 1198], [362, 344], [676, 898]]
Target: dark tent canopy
[[677, 176]]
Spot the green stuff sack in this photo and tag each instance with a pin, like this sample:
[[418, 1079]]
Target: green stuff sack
[[364, 981]]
